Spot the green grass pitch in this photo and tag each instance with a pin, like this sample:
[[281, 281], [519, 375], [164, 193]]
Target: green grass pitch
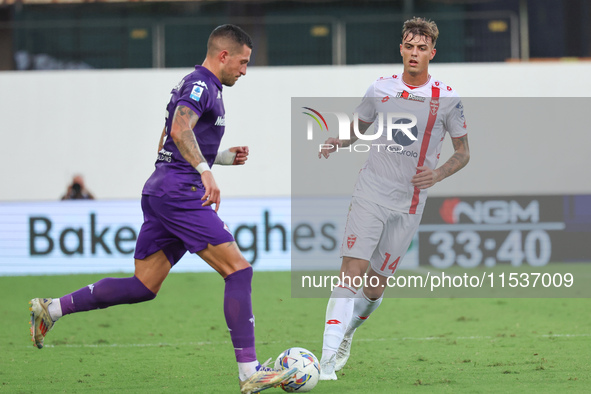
[[179, 343]]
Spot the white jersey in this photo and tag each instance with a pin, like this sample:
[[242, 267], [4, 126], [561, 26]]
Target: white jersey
[[385, 178]]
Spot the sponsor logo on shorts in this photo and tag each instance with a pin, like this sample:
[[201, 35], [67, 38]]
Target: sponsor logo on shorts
[[351, 240]]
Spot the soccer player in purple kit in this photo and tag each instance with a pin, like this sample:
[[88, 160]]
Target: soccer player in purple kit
[[177, 202]]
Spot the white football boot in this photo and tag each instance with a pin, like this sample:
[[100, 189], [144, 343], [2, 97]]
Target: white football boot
[[343, 353], [327, 368]]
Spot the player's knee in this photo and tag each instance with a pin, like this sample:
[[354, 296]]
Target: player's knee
[[373, 293], [244, 275], [141, 292], [144, 297], [353, 267], [240, 264]]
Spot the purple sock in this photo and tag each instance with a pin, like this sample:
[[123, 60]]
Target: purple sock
[[105, 293], [238, 312]]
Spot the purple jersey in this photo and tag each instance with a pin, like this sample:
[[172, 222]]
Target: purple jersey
[[174, 176]]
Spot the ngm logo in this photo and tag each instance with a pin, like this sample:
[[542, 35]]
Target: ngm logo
[[489, 211], [400, 128]]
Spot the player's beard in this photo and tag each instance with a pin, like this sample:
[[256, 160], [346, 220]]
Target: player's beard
[[228, 80]]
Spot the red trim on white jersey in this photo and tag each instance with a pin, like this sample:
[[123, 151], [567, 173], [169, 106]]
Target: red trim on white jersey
[[425, 144], [413, 86]]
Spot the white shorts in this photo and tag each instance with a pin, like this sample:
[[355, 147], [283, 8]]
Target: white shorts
[[377, 234]]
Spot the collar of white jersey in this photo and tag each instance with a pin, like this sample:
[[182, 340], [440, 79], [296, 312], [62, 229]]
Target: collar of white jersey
[[413, 86]]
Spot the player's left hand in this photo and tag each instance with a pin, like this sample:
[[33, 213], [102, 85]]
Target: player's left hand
[[241, 155], [212, 191], [425, 177]]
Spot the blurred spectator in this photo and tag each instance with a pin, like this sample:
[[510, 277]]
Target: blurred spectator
[[77, 190]]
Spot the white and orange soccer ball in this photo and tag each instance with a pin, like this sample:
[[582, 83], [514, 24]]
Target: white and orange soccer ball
[[308, 369]]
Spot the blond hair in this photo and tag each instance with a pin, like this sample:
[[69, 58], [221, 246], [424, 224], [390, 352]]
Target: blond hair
[[422, 27]]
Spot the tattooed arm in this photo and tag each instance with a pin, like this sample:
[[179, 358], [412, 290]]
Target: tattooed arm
[[428, 177], [161, 143], [183, 122]]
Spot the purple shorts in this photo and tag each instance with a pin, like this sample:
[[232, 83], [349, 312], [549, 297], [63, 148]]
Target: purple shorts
[[178, 225]]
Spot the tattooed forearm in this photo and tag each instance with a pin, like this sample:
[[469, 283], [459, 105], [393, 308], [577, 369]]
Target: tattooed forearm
[[182, 134], [189, 148], [458, 160]]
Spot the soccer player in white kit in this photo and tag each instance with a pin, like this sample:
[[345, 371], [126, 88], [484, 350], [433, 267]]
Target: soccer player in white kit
[[391, 188]]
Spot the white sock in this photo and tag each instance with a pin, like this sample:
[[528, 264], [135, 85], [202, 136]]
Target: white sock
[[362, 308], [338, 314], [246, 370], [55, 309]]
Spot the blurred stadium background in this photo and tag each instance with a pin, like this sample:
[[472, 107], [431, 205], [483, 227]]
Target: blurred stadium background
[[58, 34], [83, 87]]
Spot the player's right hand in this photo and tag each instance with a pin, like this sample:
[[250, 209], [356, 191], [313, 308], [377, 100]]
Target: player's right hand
[[212, 192], [329, 146], [241, 155]]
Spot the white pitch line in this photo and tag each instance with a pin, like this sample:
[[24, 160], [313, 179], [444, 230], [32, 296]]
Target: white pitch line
[[164, 344]]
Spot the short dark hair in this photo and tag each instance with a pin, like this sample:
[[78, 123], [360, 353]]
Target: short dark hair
[[422, 27], [232, 32]]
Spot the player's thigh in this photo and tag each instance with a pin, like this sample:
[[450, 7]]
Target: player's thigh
[[363, 229], [198, 230], [399, 230], [152, 270], [156, 233], [225, 258]]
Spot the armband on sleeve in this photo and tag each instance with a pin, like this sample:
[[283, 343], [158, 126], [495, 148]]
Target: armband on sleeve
[[225, 158]]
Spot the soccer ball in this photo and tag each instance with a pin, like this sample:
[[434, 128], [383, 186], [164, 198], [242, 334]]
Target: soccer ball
[[308, 369]]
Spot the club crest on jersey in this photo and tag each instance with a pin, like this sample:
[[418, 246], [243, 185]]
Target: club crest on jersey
[[351, 240], [434, 106], [196, 93], [409, 96]]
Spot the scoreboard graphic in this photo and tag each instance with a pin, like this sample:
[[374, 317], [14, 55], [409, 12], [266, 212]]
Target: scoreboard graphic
[[513, 230]]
